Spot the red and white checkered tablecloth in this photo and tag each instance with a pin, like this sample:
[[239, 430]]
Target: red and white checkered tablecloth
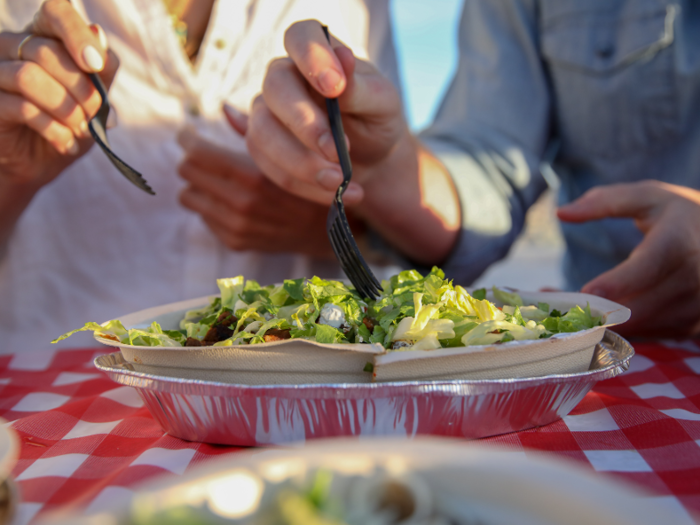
[[86, 440]]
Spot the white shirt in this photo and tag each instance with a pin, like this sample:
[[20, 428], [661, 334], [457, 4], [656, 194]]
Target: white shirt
[[91, 246]]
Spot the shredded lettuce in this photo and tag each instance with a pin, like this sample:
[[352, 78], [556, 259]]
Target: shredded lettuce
[[512, 299], [414, 312]]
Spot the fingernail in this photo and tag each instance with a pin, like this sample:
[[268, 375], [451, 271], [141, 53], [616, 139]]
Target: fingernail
[[72, 147], [329, 179], [93, 59], [327, 146], [236, 116], [329, 80], [112, 119], [84, 128], [353, 192], [100, 34], [231, 111]]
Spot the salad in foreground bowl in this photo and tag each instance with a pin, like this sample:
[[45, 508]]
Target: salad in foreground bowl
[[414, 312]]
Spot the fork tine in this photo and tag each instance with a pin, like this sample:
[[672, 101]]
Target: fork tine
[[346, 261], [346, 234], [353, 265], [337, 227], [359, 263]]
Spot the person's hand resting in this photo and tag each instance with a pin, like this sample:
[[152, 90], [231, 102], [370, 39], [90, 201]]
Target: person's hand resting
[[242, 207], [46, 97], [660, 280]]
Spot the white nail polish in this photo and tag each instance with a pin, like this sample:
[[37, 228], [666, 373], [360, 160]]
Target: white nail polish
[[93, 59], [102, 37], [72, 147]]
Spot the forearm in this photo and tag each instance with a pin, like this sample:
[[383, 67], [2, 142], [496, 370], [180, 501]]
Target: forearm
[[411, 202], [14, 199]]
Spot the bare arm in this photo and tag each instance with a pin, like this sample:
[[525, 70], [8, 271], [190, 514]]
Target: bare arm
[[46, 99]]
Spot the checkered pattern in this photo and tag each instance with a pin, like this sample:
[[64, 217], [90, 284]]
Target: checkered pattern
[[86, 440]]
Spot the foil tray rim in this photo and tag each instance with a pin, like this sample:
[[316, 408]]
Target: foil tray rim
[[469, 386]]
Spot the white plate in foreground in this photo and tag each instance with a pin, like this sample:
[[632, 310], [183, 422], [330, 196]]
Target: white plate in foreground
[[448, 478]]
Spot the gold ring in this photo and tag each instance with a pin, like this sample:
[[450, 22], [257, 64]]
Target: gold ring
[[22, 44]]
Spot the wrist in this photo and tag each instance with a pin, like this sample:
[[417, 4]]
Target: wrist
[[18, 188], [393, 179], [410, 200]]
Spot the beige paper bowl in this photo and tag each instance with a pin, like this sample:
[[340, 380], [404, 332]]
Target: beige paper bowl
[[298, 361], [294, 361], [559, 354]]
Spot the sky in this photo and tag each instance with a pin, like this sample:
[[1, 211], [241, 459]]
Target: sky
[[425, 33]]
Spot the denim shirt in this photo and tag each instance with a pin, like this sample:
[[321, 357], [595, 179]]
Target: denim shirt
[[616, 83]]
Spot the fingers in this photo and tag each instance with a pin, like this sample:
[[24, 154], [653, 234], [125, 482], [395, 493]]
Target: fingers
[[291, 166], [286, 95], [58, 19], [247, 195], [658, 255], [262, 217], [333, 71], [35, 85], [215, 159], [314, 57], [670, 308], [233, 191], [618, 200], [16, 110], [52, 56], [49, 79], [234, 216], [238, 120]]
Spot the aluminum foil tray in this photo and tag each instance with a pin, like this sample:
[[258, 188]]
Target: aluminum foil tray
[[246, 415]]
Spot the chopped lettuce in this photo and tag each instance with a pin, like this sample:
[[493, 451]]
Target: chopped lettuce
[[414, 312], [574, 320], [512, 299]]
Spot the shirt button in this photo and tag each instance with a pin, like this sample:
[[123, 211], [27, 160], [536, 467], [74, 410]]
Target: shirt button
[[605, 51], [220, 43], [193, 109]]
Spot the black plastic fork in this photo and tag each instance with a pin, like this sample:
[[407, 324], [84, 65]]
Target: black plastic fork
[[339, 233], [98, 130]]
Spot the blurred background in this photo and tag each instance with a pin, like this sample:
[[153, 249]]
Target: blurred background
[[426, 40]]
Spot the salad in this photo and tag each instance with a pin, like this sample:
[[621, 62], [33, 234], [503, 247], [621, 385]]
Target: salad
[[414, 312], [327, 498]]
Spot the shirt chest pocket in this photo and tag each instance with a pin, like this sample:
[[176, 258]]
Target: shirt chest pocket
[[613, 76]]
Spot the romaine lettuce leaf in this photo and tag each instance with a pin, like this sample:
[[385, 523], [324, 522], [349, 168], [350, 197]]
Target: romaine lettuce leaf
[[574, 320], [428, 311]]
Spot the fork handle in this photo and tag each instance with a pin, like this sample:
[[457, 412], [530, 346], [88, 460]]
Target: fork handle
[[338, 134], [99, 85]]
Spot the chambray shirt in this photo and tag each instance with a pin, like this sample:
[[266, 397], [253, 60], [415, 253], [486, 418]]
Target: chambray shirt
[[615, 83]]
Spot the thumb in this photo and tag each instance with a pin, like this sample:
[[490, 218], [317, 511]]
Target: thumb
[[237, 119], [59, 20]]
